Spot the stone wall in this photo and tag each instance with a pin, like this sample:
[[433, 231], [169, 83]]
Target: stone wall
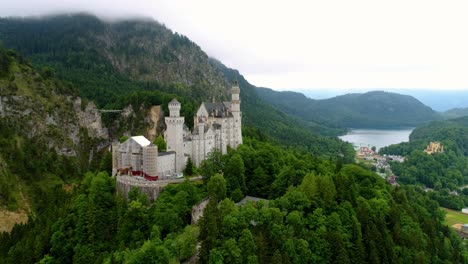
[[152, 189], [166, 164]]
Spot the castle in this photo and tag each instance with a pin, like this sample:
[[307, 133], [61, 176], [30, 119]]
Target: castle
[[217, 125], [434, 147]]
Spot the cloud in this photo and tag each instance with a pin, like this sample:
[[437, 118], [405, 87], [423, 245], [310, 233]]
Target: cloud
[[315, 44]]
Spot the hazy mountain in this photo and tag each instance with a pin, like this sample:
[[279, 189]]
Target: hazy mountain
[[455, 112], [437, 100], [368, 110]]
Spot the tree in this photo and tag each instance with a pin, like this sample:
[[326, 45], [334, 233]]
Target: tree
[[211, 165], [161, 143], [122, 139], [217, 187], [106, 162], [247, 245], [189, 167], [235, 173]]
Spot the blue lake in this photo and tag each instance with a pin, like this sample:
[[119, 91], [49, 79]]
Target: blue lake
[[376, 137]]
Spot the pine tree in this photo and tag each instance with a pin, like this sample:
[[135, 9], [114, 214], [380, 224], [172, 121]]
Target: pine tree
[[189, 167]]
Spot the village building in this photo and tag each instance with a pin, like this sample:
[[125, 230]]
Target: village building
[[217, 125]]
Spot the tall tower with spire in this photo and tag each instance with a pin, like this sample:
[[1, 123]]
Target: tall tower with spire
[[237, 115], [174, 134]]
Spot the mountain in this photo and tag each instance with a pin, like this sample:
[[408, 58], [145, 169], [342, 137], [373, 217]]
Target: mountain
[[48, 135], [319, 210], [142, 63], [439, 100], [455, 112], [74, 65], [368, 110]]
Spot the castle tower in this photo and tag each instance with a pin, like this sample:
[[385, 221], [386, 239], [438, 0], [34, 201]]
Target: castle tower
[[175, 134], [237, 114], [116, 158], [150, 156], [199, 148]]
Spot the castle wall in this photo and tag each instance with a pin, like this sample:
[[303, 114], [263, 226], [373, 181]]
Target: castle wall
[[136, 161], [166, 164], [150, 159], [151, 189], [188, 147]]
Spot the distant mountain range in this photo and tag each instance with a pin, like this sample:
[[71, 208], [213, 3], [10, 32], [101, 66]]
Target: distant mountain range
[[368, 110], [455, 112], [438, 100]]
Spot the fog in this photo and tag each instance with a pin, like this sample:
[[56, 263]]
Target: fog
[[313, 45]]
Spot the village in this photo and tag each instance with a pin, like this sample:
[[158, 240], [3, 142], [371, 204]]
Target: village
[[379, 163]]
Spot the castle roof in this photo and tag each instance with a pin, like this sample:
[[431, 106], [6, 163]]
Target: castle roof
[[165, 153], [141, 140], [174, 100], [218, 109]]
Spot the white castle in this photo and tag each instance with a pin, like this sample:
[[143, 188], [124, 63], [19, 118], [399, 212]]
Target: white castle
[[216, 126]]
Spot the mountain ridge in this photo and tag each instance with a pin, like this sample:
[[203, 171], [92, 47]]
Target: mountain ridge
[[375, 109], [145, 57]]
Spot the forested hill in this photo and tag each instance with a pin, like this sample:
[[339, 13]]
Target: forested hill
[[455, 112], [369, 110], [453, 134], [141, 62], [445, 172], [48, 135], [319, 210]]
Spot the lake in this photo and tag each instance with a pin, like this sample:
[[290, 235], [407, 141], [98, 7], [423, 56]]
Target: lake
[[376, 137]]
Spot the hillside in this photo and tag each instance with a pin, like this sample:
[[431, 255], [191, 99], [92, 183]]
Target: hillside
[[445, 172], [453, 133], [455, 112], [48, 135], [319, 209], [369, 110], [142, 63]]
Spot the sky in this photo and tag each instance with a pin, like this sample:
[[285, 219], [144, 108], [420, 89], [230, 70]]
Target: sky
[[309, 45]]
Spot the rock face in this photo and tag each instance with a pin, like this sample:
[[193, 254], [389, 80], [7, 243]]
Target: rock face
[[91, 119], [60, 126], [42, 108], [155, 118]]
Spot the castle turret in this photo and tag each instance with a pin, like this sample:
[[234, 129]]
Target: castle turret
[[175, 134], [116, 158], [150, 157], [237, 114]]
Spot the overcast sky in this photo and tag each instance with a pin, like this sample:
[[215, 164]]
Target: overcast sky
[[300, 45]]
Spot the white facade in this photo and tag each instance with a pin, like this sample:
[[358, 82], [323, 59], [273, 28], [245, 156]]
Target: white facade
[[217, 125]]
